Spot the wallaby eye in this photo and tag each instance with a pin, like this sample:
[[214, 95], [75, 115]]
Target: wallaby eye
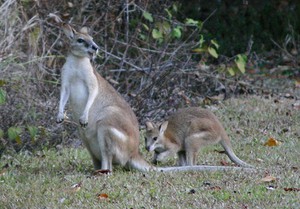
[[154, 138], [80, 40]]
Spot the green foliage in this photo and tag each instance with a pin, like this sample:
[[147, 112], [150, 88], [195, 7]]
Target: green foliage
[[176, 32], [157, 34], [148, 16], [239, 65], [2, 92], [196, 23], [240, 62], [162, 30], [1, 133], [235, 23], [210, 48], [212, 51], [14, 133], [2, 96], [33, 131], [203, 47]]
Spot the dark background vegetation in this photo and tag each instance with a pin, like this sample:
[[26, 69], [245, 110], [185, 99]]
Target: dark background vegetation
[[156, 76]]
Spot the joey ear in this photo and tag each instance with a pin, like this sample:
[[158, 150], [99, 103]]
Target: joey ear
[[69, 31], [149, 126], [163, 127]]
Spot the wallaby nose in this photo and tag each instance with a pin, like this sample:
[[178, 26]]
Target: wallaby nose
[[95, 47], [148, 148]]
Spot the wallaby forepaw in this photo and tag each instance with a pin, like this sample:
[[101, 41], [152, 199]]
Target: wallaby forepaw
[[83, 124], [59, 119], [83, 121]]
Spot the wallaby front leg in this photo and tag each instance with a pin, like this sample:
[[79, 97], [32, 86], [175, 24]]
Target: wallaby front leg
[[83, 120], [163, 155], [64, 96], [154, 159]]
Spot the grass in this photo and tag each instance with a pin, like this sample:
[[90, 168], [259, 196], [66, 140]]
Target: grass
[[44, 179]]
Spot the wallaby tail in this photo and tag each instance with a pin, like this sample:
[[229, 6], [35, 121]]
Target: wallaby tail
[[200, 168], [232, 156]]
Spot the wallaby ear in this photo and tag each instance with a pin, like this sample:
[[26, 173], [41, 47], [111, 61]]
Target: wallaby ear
[[69, 31], [84, 30], [163, 127], [149, 126]]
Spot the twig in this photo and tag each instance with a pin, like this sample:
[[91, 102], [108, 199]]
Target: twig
[[119, 58], [285, 51]]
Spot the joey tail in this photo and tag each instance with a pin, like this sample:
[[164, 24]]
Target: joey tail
[[200, 168], [232, 156]]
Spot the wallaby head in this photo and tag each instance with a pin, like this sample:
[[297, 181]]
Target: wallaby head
[[81, 43], [151, 135], [155, 137]]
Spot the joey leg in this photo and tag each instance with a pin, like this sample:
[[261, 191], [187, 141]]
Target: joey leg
[[190, 158], [182, 158], [163, 156]]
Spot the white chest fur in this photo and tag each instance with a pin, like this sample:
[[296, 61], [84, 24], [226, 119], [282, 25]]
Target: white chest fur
[[78, 77]]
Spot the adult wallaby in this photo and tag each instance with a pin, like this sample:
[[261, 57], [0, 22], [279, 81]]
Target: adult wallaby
[[184, 133], [108, 126]]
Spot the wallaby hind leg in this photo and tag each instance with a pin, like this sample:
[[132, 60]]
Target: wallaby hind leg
[[96, 163], [105, 149], [95, 159], [192, 146]]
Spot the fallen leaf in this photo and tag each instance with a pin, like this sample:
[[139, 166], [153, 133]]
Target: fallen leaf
[[206, 183], [224, 163], [272, 142], [297, 83], [215, 188], [292, 189], [75, 187], [3, 172], [101, 172], [289, 96], [220, 151], [4, 169], [284, 130], [270, 187], [268, 179], [102, 196], [192, 191], [187, 100], [296, 105]]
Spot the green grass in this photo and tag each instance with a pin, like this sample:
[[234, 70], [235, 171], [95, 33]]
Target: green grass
[[44, 179]]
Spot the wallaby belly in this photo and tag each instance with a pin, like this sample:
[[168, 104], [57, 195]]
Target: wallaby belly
[[78, 98]]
